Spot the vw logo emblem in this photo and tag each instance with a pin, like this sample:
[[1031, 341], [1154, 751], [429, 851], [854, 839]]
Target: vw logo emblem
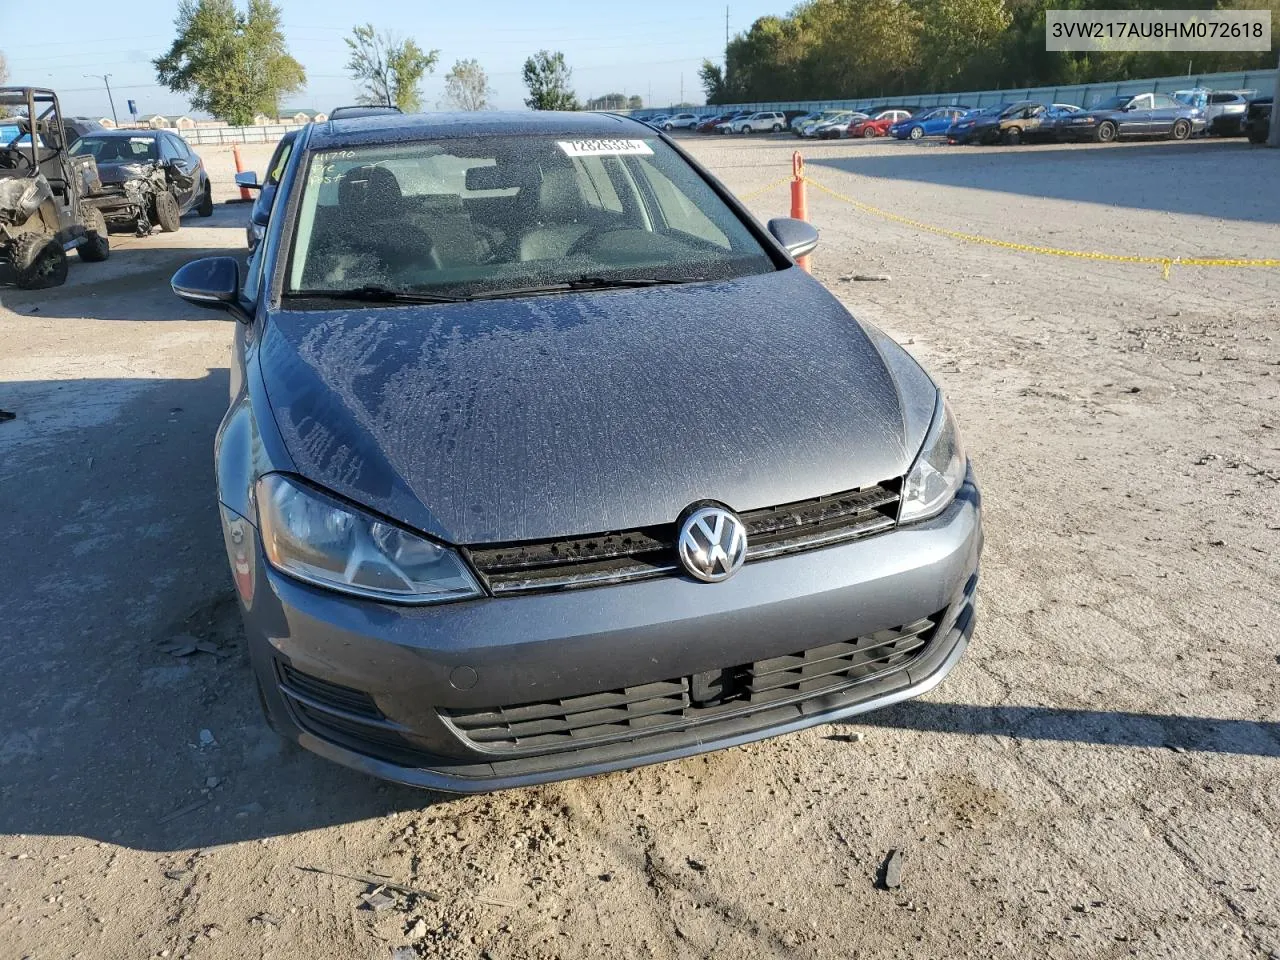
[[712, 544]]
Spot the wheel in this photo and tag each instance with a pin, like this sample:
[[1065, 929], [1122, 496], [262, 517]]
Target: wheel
[[667, 126], [1257, 134], [777, 128], [868, 133], [96, 247], [1106, 132], [1013, 136], [916, 133], [40, 261], [746, 129], [1181, 130], [166, 212], [206, 202]]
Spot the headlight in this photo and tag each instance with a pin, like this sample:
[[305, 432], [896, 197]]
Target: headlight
[[321, 540], [938, 471]]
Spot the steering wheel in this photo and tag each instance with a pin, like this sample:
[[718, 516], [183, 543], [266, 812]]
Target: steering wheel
[[14, 160], [592, 236], [400, 244]]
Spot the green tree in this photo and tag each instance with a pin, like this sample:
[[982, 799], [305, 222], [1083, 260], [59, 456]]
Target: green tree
[[610, 101], [635, 102], [466, 86], [712, 79], [389, 68], [547, 76], [232, 64], [956, 40]]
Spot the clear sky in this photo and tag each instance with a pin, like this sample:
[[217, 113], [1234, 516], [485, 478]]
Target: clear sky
[[634, 48]]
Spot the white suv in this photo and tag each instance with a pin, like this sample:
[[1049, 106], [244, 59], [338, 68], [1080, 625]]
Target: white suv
[[760, 123], [680, 121]]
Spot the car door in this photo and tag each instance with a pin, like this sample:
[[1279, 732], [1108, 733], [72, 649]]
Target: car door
[[1164, 111], [181, 171], [1135, 120]]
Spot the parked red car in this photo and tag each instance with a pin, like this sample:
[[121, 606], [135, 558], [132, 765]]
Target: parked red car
[[877, 126], [709, 126]]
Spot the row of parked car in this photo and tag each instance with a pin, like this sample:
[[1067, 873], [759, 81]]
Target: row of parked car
[[1184, 114]]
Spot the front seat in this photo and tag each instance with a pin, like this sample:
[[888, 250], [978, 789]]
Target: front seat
[[561, 214], [353, 240]]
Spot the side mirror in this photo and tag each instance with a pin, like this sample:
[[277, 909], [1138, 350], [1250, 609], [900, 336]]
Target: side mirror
[[261, 212], [212, 283], [248, 180], [797, 237]]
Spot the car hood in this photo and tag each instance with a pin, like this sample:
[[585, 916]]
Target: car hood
[[120, 172], [545, 417]]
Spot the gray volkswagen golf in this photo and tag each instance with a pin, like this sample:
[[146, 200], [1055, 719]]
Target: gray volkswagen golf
[[544, 459]]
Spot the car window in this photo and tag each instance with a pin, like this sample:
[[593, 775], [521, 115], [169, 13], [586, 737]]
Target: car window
[[168, 149], [1162, 102], [1143, 102], [117, 149], [281, 160], [471, 216]]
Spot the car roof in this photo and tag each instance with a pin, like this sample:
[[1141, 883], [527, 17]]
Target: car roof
[[105, 132], [390, 128]]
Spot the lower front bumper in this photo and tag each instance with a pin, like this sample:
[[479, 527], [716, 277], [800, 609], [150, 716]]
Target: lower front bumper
[[380, 688]]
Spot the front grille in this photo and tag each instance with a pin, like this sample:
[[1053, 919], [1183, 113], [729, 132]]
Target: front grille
[[630, 712], [625, 556]]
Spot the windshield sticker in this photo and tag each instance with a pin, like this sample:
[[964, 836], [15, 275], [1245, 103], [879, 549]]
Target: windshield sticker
[[604, 148], [146, 140]]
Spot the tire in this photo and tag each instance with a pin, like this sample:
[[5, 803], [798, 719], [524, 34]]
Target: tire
[[206, 202], [40, 261], [916, 133], [97, 246], [1106, 132], [1181, 130], [167, 214], [667, 127], [1257, 134], [746, 131], [868, 133], [777, 128], [1013, 136]]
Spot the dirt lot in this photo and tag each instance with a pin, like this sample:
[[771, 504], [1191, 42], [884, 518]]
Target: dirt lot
[[1096, 779]]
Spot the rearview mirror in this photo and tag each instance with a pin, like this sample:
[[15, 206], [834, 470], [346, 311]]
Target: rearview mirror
[[797, 237], [248, 179], [212, 283]]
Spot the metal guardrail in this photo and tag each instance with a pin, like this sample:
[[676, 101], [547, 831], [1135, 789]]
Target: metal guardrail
[[1082, 94]]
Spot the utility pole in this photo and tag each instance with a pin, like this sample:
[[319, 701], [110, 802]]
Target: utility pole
[[106, 79], [682, 86], [726, 30]]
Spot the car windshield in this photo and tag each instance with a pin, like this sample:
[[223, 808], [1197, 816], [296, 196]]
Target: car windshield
[[1113, 103], [481, 216], [117, 149]]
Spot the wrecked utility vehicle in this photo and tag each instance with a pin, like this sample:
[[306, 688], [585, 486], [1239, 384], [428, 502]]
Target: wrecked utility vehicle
[[148, 177], [45, 209]]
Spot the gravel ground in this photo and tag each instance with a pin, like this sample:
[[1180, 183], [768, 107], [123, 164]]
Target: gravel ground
[[1096, 779]]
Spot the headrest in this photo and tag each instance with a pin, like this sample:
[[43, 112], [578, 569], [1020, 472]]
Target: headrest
[[503, 176]]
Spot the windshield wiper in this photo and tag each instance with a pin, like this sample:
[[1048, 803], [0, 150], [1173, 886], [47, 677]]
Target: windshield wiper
[[374, 293], [584, 283]]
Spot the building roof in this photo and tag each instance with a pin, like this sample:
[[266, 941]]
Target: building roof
[[393, 127]]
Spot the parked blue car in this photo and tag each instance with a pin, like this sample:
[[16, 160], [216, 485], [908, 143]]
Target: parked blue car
[[928, 123]]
